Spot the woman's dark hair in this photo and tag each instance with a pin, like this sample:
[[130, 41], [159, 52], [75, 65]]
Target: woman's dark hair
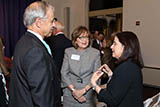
[[77, 32], [131, 48]]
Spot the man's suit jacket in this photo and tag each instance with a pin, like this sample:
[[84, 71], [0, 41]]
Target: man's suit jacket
[[58, 44], [34, 80], [96, 45]]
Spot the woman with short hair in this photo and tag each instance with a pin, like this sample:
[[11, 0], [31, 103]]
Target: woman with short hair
[[79, 63]]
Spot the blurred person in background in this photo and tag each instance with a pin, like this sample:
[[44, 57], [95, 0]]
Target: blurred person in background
[[106, 56], [8, 64], [58, 42], [3, 74], [97, 42]]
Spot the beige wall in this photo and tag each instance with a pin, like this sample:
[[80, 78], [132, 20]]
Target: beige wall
[[148, 32], [78, 11]]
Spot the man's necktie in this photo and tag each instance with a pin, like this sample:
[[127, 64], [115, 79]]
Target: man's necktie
[[48, 48]]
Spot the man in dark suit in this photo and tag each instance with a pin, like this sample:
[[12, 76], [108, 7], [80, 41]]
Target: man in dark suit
[[58, 42], [34, 80], [97, 42]]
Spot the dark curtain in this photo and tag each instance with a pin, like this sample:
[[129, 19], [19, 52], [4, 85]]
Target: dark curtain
[[11, 22]]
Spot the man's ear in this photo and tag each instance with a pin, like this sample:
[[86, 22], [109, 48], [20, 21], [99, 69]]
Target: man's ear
[[38, 22]]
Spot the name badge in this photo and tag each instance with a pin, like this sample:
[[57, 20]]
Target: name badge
[[75, 57]]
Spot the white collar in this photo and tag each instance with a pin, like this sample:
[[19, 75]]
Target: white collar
[[98, 41], [59, 33], [36, 34]]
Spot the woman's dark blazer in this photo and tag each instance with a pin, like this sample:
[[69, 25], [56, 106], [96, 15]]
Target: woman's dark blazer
[[125, 87], [34, 80]]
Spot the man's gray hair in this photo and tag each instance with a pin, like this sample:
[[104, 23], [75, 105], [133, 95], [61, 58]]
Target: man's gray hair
[[33, 12]]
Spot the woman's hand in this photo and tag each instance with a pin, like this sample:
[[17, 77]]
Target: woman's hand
[[82, 99], [96, 75], [78, 93], [105, 68]]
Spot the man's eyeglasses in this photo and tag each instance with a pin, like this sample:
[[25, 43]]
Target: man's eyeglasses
[[54, 20]]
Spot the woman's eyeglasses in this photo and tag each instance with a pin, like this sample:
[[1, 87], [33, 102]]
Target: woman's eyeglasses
[[83, 37]]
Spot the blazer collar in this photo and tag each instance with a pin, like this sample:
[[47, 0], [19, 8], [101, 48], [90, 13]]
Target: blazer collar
[[37, 40]]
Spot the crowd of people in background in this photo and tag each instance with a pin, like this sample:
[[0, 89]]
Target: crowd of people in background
[[47, 66]]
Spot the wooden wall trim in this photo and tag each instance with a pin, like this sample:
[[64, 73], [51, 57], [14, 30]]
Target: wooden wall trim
[[105, 12]]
